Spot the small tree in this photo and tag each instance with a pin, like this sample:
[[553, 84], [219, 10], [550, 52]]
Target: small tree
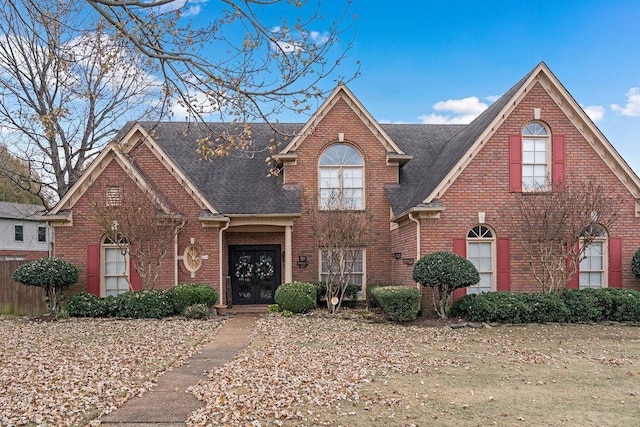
[[53, 275], [557, 227], [446, 272], [341, 233]]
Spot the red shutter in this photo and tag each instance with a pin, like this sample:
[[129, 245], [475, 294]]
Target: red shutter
[[134, 278], [557, 154], [460, 248], [515, 163], [93, 269], [574, 282], [504, 264], [615, 262]]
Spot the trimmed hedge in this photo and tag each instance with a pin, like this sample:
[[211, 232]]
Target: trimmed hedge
[[187, 294], [589, 305], [399, 303], [144, 304], [296, 297]]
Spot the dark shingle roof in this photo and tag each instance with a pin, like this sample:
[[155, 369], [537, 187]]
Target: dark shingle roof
[[236, 184], [239, 184]]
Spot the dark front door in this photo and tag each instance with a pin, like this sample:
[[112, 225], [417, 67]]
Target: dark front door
[[255, 273]]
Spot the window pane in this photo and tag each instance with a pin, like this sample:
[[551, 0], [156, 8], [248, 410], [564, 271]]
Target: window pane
[[528, 144], [540, 145], [474, 250], [528, 157], [540, 157]]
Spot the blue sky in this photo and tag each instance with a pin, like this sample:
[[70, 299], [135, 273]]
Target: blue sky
[[425, 61]]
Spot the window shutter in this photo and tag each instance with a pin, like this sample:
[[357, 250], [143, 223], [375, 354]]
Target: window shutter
[[557, 154], [134, 278], [460, 248], [515, 163], [615, 262], [574, 282], [504, 264], [93, 269]]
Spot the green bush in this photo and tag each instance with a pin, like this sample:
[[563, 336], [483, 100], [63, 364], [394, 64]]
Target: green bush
[[504, 307], [462, 306], [625, 305], [296, 297], [85, 304], [446, 272], [321, 289], [188, 294], [582, 305], [53, 275], [635, 264], [371, 299], [197, 311], [144, 304], [399, 303], [546, 307]]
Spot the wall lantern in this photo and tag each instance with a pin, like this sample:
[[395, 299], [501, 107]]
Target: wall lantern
[[408, 261], [397, 255], [302, 261]]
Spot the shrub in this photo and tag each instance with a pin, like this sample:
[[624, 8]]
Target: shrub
[[546, 307], [351, 291], [635, 264], [54, 275], [296, 297], [446, 272], [504, 307], [85, 304], [399, 303], [188, 294], [197, 311], [461, 307], [625, 304], [273, 308], [144, 304], [371, 299], [581, 305]]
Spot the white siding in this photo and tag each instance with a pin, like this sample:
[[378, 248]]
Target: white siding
[[29, 233]]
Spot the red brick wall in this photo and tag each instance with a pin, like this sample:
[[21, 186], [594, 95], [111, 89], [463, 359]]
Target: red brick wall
[[342, 119], [484, 187]]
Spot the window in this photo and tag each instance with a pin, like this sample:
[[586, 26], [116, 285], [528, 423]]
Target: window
[[114, 196], [535, 157], [18, 233], [347, 261], [593, 265], [115, 268], [341, 178], [480, 251], [42, 234]]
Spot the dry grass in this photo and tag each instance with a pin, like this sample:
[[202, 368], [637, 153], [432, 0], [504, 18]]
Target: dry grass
[[321, 371]]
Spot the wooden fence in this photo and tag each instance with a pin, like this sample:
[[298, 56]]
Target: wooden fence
[[16, 298]]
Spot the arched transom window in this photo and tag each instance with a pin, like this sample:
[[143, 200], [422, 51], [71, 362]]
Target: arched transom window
[[535, 157], [480, 251], [341, 178]]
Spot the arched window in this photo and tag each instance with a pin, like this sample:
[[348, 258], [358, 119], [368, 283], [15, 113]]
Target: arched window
[[115, 267], [593, 266], [481, 252], [536, 157], [341, 178]]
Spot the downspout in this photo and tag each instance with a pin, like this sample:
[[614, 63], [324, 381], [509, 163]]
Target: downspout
[[417, 221], [223, 296]]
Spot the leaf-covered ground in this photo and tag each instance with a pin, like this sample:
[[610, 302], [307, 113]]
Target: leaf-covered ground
[[66, 372], [316, 370]]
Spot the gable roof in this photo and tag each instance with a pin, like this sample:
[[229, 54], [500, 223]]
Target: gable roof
[[234, 184], [23, 211]]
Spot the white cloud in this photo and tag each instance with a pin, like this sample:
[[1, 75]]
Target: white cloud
[[193, 7], [595, 112], [492, 98], [460, 111], [388, 122], [318, 37], [632, 107]]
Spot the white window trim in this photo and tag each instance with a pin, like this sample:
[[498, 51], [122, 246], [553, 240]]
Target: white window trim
[[103, 277], [549, 164], [341, 189], [605, 262], [363, 290], [494, 260]]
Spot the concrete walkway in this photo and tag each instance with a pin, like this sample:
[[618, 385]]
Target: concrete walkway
[[168, 404]]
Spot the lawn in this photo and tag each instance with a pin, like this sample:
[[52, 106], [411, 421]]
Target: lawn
[[320, 370]]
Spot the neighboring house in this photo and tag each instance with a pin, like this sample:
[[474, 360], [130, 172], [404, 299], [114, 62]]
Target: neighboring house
[[425, 187], [23, 234]]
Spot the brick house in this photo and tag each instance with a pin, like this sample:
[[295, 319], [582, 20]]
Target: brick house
[[425, 188]]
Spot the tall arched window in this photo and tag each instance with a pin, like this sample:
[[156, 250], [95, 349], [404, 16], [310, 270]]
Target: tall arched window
[[536, 157], [115, 268], [481, 252], [593, 266], [341, 178]]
